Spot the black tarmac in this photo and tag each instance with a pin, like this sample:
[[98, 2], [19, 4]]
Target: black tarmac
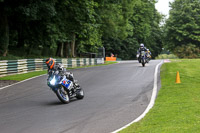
[[115, 95]]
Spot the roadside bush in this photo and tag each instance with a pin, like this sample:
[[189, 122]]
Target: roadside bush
[[166, 56], [187, 51]]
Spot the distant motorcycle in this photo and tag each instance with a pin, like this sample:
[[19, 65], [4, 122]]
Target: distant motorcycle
[[64, 88], [143, 58]]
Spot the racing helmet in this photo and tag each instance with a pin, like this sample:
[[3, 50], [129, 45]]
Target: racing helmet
[[141, 45], [60, 67], [50, 63]]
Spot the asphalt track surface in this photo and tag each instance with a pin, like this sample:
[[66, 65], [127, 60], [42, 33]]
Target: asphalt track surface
[[115, 95]]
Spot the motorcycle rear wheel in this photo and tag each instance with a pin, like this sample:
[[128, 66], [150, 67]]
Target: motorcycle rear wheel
[[63, 95]]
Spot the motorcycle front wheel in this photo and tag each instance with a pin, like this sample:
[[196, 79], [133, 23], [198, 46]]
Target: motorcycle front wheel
[[79, 93], [63, 95], [143, 64]]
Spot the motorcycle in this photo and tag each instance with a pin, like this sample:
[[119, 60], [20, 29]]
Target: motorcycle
[[64, 88], [143, 58]]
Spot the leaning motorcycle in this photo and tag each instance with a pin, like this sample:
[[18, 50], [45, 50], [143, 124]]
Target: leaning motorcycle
[[143, 58], [64, 88]]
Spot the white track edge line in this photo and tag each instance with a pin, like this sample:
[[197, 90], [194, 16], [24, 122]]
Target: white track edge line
[[153, 97], [21, 81]]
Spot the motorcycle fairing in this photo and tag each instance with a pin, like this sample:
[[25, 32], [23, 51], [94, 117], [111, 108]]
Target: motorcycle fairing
[[66, 83]]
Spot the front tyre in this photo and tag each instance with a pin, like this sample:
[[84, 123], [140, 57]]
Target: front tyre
[[62, 95], [79, 93], [143, 64]]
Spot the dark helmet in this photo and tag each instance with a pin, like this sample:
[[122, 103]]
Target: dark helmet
[[50, 63]]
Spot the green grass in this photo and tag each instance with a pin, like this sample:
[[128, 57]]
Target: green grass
[[20, 77], [177, 107]]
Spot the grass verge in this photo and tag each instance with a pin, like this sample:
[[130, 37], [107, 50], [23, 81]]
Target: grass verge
[[177, 107], [20, 77]]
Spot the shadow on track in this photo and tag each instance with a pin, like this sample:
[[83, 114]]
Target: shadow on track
[[60, 103]]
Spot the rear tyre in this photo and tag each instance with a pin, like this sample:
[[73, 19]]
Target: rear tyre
[[63, 95]]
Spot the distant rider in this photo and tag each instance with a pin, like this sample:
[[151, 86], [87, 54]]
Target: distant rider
[[141, 48], [148, 54], [52, 67]]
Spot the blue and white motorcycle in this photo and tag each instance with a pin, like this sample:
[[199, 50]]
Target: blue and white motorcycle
[[64, 88]]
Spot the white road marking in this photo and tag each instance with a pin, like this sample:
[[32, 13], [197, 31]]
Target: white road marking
[[153, 97]]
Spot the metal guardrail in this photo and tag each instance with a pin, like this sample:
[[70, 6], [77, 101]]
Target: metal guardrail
[[9, 67]]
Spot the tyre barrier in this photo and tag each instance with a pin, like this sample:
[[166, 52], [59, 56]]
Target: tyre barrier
[[9, 67]]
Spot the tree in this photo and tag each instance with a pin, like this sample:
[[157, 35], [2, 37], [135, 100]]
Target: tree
[[183, 25], [66, 28], [82, 26], [187, 51], [143, 27], [4, 29]]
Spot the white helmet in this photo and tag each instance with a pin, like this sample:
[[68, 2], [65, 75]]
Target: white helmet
[[60, 66], [141, 45]]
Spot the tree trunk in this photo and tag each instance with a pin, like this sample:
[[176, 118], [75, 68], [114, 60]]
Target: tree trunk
[[59, 51], [20, 37], [66, 49], [4, 31], [73, 44], [30, 49]]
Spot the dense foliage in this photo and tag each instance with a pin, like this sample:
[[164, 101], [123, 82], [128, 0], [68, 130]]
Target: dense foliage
[[68, 28], [182, 30]]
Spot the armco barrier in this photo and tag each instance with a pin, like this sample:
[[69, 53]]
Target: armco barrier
[[9, 67]]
